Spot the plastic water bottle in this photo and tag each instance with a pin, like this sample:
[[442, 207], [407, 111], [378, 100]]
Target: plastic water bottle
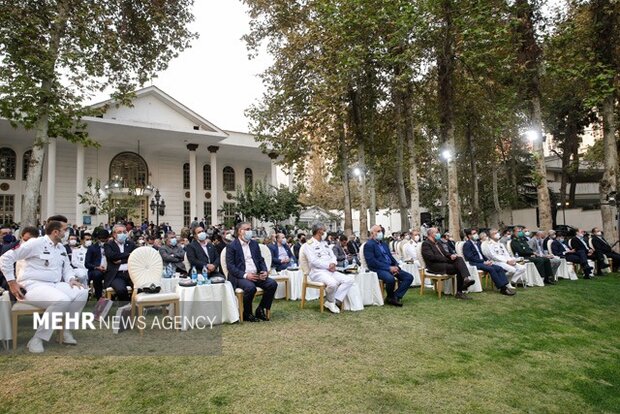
[[194, 274], [354, 262], [200, 279], [346, 262], [205, 276], [293, 263], [170, 270]]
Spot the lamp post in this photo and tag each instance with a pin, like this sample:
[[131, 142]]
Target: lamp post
[[158, 207]]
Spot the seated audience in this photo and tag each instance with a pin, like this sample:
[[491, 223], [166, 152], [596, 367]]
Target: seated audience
[[472, 252]]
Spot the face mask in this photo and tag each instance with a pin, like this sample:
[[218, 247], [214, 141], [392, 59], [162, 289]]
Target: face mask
[[416, 238], [598, 233], [438, 236], [554, 236], [324, 236], [8, 238], [72, 242], [121, 237], [65, 237], [521, 234], [247, 235], [202, 236], [561, 239], [475, 237], [140, 242], [407, 237], [283, 242], [579, 235], [496, 236], [380, 236], [88, 243], [173, 242], [528, 234]]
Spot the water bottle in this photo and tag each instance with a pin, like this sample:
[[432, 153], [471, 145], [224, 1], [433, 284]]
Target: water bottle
[[346, 262], [194, 274], [200, 279], [170, 270], [293, 263], [205, 276], [354, 262]]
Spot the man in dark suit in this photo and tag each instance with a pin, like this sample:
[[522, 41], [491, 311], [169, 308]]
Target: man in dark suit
[[202, 253], [579, 243], [380, 260], [559, 249], [520, 247], [353, 247], [281, 255], [437, 260], [301, 239], [247, 271], [601, 246], [447, 244], [117, 253], [95, 262], [472, 252]]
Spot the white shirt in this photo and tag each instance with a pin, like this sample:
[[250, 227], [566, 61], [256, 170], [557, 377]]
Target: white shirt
[[282, 254], [496, 251], [42, 261], [78, 257], [250, 267], [121, 247], [411, 250], [319, 255], [206, 250]]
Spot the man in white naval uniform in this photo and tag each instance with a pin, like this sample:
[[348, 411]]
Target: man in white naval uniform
[[78, 258], [498, 254], [323, 269], [47, 280]]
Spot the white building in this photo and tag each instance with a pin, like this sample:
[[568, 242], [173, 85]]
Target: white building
[[158, 141]]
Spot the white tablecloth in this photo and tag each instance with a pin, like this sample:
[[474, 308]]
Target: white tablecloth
[[5, 317], [566, 271], [532, 276], [475, 276], [414, 270], [195, 301], [295, 283], [364, 292]]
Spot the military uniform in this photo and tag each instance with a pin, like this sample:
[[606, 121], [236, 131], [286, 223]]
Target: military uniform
[[497, 253], [78, 260], [320, 256]]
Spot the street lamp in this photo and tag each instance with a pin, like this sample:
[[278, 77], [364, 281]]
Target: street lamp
[[532, 135], [158, 206], [357, 171], [446, 155]]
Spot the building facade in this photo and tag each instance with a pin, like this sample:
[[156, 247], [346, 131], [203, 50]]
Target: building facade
[[157, 143]]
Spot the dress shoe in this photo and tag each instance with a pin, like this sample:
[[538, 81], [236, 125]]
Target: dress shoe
[[587, 277], [261, 314], [507, 291], [549, 282], [467, 282], [250, 318], [393, 302], [67, 338], [35, 345], [463, 296], [331, 306]]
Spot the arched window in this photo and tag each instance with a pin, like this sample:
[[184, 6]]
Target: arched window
[[7, 164], [229, 179], [26, 164], [206, 177], [186, 176], [130, 168], [249, 177]]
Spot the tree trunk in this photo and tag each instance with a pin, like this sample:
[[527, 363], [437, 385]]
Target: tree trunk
[[372, 211], [363, 203], [414, 190], [544, 202], [400, 173], [573, 175], [496, 206], [474, 177], [609, 182], [445, 65], [344, 163]]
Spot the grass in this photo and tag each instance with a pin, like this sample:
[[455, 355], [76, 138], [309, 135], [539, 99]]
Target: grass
[[552, 349]]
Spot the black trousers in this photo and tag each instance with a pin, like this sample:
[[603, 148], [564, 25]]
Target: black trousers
[[543, 265], [119, 284], [458, 268], [96, 276], [269, 287]]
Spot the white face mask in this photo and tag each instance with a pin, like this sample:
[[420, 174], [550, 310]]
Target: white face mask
[[416, 238], [324, 236], [72, 242], [88, 243], [496, 236]]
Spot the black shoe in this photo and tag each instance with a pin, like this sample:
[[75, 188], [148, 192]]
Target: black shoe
[[508, 292], [463, 296], [250, 318], [261, 314], [549, 282], [587, 277], [467, 282], [393, 302]]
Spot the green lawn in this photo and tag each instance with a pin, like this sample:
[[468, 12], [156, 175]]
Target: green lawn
[[552, 349]]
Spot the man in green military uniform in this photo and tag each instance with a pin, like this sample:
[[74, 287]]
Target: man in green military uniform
[[521, 248]]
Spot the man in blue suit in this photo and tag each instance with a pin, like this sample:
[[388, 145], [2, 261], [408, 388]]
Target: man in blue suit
[[559, 249], [247, 271], [281, 255], [380, 260], [472, 253]]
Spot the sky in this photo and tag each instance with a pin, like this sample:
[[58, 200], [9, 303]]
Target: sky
[[214, 77]]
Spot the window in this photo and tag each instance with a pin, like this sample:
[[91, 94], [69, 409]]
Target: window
[[207, 213], [186, 176], [26, 164], [206, 177], [7, 164], [130, 168], [186, 214], [229, 214], [229, 179], [249, 177], [7, 209]]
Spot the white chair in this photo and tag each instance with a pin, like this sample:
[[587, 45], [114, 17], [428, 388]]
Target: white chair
[[266, 253], [145, 267], [481, 273], [187, 264], [304, 265], [509, 248], [437, 279], [22, 309]]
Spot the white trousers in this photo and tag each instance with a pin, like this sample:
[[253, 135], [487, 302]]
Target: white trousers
[[54, 297], [517, 271], [337, 284], [82, 275]]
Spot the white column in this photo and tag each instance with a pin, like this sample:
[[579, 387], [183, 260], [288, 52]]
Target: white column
[[214, 183], [51, 179], [274, 169], [291, 178], [193, 196], [79, 183]]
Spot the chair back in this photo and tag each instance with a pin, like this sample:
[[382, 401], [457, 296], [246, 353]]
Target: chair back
[[459, 247], [590, 244], [266, 253], [304, 265], [362, 257], [188, 266], [509, 248], [549, 243], [145, 266], [223, 263], [420, 258], [401, 248]]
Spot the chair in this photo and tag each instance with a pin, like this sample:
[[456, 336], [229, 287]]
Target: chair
[[575, 266], [109, 292], [509, 248], [21, 309], [609, 259], [145, 266], [365, 266], [266, 253], [437, 279], [481, 273], [401, 249], [307, 283], [187, 264]]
